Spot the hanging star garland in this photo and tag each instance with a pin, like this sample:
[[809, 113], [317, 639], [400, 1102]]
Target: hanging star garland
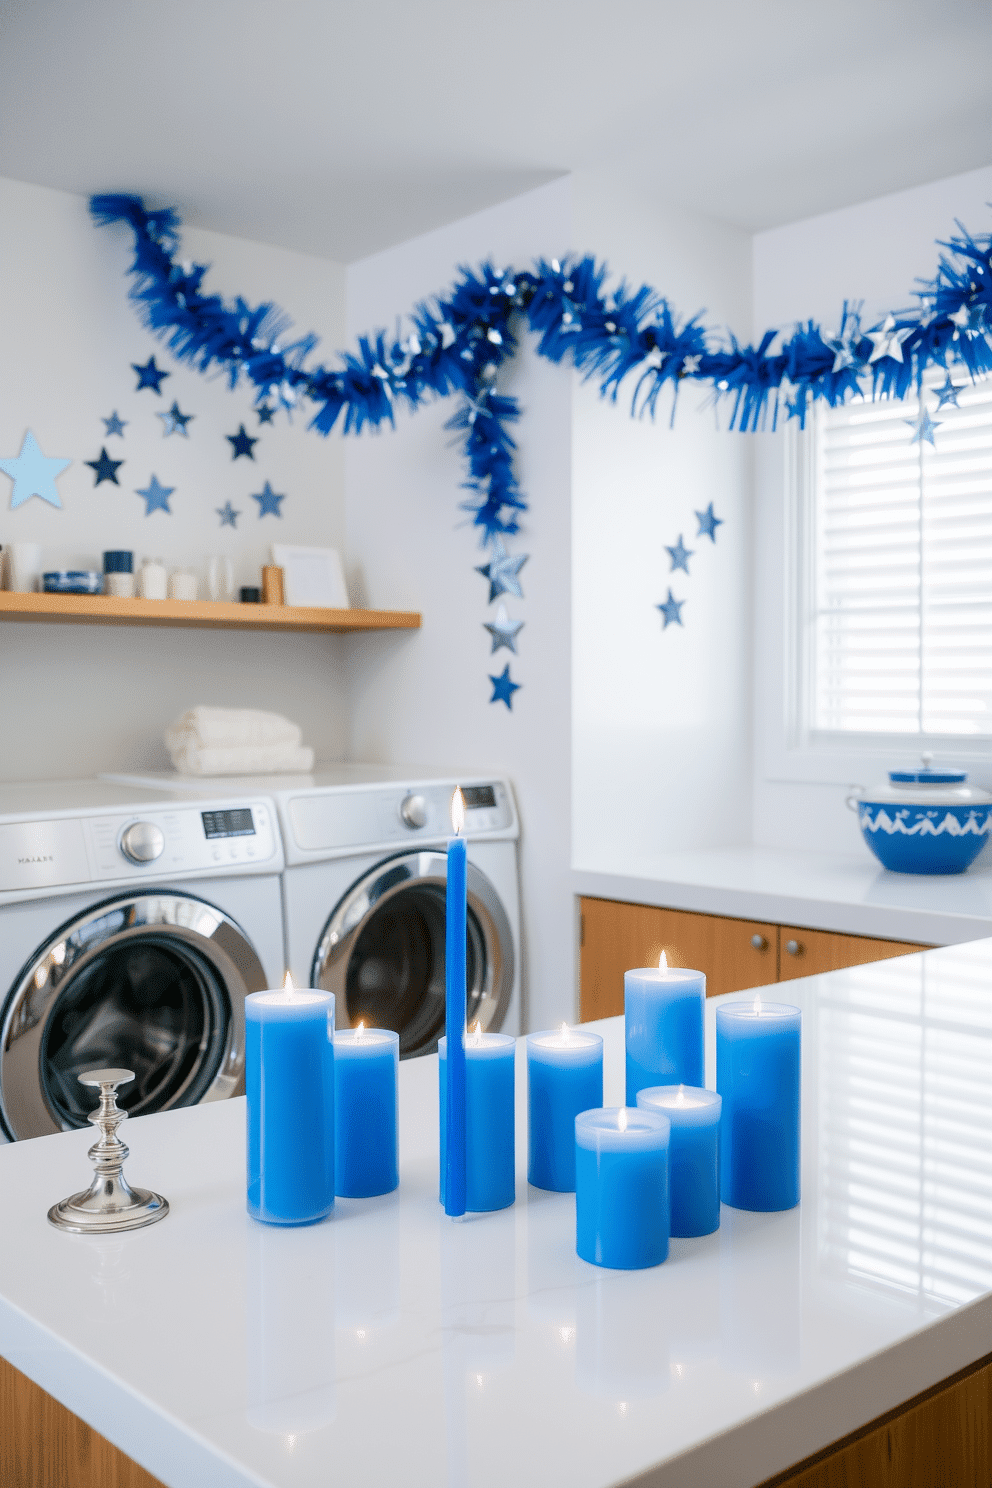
[[33, 474], [104, 468], [504, 688], [268, 502], [680, 555], [115, 425], [175, 422], [150, 376], [241, 443], [502, 571], [228, 516], [504, 631], [617, 335], [924, 427], [156, 497]]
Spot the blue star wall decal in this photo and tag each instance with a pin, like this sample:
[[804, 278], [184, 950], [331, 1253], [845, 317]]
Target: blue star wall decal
[[503, 688], [503, 631], [680, 555], [708, 523], [228, 516], [267, 500], [265, 414], [923, 427], [115, 425], [175, 422], [105, 469], [150, 376], [33, 474], [671, 611], [502, 571], [241, 443], [156, 497]]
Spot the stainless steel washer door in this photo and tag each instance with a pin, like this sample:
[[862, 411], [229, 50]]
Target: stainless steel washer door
[[382, 951], [152, 981]]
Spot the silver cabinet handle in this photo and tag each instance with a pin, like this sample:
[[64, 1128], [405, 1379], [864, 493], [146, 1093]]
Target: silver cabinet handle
[[759, 942], [793, 947]]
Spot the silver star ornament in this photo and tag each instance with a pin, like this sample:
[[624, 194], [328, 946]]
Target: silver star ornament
[[503, 630]]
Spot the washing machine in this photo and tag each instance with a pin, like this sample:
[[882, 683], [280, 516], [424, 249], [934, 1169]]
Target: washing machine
[[364, 887], [132, 926]]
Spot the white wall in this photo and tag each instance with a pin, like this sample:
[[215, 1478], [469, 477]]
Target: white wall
[[873, 252], [661, 752], [77, 699], [425, 698]]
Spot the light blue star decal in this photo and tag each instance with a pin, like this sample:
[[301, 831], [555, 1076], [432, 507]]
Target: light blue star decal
[[923, 428], [115, 425], [175, 422], [268, 501], [708, 523], [503, 688], [503, 631], [946, 394], [228, 516], [150, 376], [671, 611], [680, 555], [33, 474], [502, 571], [156, 497]]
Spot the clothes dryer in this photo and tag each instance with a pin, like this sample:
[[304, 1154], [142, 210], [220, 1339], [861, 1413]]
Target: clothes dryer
[[364, 887], [132, 926]]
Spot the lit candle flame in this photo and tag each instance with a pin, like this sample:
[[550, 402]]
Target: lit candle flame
[[360, 1030], [458, 811], [680, 1098], [662, 962], [622, 1119], [564, 1033], [287, 985], [477, 1033], [757, 1004]]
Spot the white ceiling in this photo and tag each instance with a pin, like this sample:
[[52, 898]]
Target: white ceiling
[[340, 128]]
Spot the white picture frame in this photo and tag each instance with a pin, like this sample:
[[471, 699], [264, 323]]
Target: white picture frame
[[311, 577]]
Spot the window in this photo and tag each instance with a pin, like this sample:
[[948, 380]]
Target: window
[[894, 590]]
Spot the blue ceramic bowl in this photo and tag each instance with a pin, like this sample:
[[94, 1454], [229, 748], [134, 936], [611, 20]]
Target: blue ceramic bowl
[[73, 581], [925, 821]]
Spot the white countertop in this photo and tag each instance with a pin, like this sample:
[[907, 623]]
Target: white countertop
[[390, 1345], [850, 893]]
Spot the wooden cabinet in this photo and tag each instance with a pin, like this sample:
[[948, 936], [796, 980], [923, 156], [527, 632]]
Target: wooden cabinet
[[734, 954]]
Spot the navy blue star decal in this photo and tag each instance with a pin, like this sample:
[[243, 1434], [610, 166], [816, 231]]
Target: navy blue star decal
[[680, 555], [503, 688], [228, 516], [115, 425], [149, 376], [266, 413], [105, 468], [671, 611], [708, 523], [268, 501], [241, 443]]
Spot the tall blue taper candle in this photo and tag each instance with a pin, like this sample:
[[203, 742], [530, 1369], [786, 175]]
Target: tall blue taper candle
[[454, 1020]]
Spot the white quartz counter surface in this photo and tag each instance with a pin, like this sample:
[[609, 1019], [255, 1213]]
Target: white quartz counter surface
[[846, 892], [389, 1345]]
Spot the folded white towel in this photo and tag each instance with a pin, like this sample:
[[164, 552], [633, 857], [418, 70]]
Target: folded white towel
[[245, 759], [210, 728]]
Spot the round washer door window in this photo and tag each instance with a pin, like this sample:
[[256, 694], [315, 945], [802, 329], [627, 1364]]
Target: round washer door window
[[382, 952], [152, 982]]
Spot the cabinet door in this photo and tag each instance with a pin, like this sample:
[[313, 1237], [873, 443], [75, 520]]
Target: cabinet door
[[807, 952], [615, 937]]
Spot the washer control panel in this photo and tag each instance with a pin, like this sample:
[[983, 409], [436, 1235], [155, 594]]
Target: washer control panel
[[339, 821], [154, 841]]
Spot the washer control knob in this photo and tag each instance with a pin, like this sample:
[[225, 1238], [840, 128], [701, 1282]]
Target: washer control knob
[[413, 810], [142, 842], [794, 947], [759, 942]]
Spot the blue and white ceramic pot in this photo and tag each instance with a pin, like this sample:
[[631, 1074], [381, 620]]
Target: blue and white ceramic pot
[[925, 821]]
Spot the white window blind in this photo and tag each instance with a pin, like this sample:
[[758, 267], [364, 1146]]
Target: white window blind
[[901, 570]]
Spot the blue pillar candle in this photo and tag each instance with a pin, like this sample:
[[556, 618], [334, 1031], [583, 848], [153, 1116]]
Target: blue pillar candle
[[564, 1077], [289, 1083], [454, 1159], [663, 1014], [758, 1059], [366, 1086], [621, 1188], [693, 1154], [490, 1165]]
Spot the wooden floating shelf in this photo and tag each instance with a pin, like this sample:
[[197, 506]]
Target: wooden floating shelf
[[108, 609]]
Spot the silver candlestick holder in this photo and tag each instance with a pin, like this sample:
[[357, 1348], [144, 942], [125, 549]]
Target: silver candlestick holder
[[109, 1203]]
